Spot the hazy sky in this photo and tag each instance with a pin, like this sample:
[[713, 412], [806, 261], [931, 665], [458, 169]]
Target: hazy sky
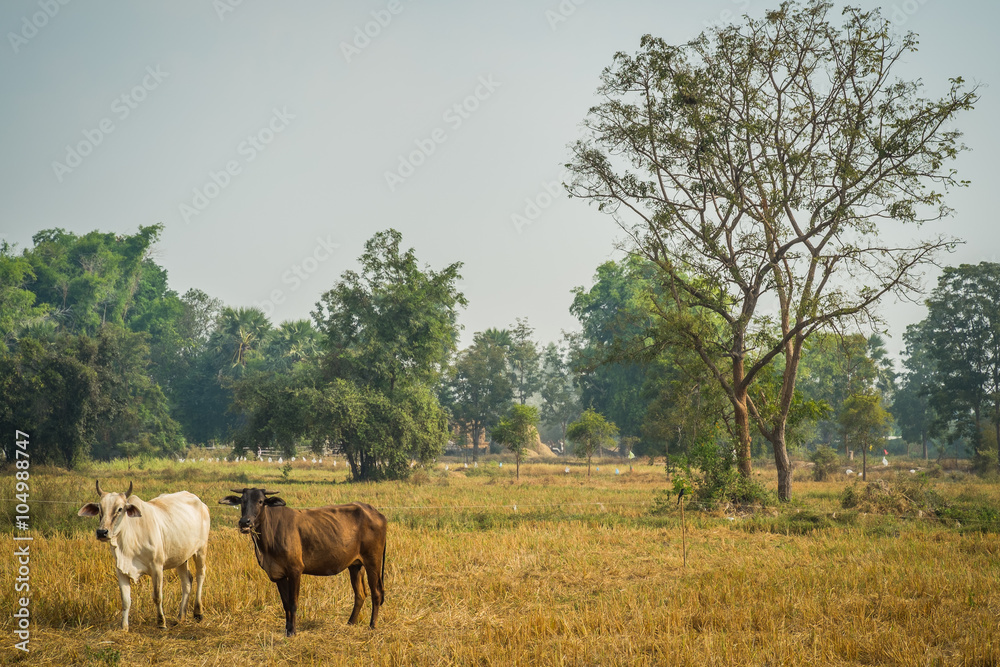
[[260, 134]]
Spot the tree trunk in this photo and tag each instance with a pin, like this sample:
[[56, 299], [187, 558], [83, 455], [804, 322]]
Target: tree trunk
[[782, 464], [742, 419], [864, 463], [923, 437], [476, 428]]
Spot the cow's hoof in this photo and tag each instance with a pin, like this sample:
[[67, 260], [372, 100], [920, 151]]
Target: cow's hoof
[[198, 617]]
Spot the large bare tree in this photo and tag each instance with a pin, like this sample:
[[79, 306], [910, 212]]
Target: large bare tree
[[775, 171]]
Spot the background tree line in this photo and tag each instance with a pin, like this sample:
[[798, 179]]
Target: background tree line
[[101, 359]]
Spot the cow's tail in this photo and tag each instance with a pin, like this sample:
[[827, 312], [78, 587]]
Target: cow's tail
[[381, 579]]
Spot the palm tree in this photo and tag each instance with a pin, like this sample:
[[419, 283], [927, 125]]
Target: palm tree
[[292, 342], [242, 334]]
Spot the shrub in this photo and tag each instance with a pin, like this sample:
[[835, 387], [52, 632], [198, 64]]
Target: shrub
[[901, 494], [826, 461], [984, 461], [720, 481], [419, 477]]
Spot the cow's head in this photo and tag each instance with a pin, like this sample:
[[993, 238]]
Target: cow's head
[[252, 502], [112, 508]]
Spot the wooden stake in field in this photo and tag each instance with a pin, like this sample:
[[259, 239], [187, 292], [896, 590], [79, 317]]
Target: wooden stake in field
[[680, 495]]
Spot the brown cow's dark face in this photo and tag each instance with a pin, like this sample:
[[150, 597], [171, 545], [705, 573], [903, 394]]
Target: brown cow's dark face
[[251, 503]]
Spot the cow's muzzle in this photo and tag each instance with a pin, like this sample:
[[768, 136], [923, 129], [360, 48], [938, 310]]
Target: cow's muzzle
[[244, 526], [102, 534]]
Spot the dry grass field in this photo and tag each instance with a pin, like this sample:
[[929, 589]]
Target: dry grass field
[[582, 572]]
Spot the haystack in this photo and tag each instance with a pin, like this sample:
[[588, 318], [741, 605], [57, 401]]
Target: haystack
[[537, 448]]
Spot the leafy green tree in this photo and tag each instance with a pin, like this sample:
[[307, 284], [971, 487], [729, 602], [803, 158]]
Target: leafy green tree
[[911, 407], [277, 411], [525, 361], [686, 406], [83, 397], [833, 367], [478, 388], [131, 411], [379, 434], [291, 343], [616, 315], [516, 430], [50, 391], [18, 310], [560, 396], [388, 334], [868, 422], [96, 278], [757, 166], [590, 433], [962, 331], [240, 338], [885, 372], [393, 322], [500, 337]]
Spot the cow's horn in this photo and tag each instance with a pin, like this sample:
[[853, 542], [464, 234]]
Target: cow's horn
[[99, 492], [270, 493], [128, 494], [239, 491]]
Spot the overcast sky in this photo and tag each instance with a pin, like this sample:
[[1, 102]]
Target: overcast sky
[[261, 135]]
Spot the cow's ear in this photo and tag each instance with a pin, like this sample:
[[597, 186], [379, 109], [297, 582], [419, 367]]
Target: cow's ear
[[231, 500], [132, 511], [274, 502], [90, 509]]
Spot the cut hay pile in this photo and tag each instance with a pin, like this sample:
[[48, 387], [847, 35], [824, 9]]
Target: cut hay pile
[[538, 449], [901, 495]]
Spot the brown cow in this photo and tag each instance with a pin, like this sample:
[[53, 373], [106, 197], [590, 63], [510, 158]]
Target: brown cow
[[322, 541]]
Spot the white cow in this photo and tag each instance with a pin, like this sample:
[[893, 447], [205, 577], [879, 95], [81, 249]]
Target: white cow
[[149, 537]]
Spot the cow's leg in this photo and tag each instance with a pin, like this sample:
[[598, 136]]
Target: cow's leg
[[185, 576], [199, 561], [375, 585], [293, 599], [157, 577], [359, 591], [125, 586], [283, 591]]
